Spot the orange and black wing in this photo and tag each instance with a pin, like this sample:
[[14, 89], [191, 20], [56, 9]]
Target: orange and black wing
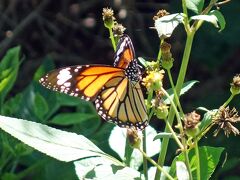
[[122, 102], [125, 53], [117, 99], [81, 81]]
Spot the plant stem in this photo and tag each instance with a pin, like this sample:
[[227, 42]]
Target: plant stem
[[197, 159], [160, 52], [145, 165], [228, 101], [180, 80], [174, 92], [112, 39], [188, 164], [174, 136], [175, 109], [156, 165]]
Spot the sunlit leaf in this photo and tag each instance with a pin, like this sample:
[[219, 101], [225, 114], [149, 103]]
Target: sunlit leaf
[[9, 66], [181, 171], [117, 142], [62, 145], [186, 87], [195, 5], [209, 158]]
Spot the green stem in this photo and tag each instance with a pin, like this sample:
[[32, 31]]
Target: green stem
[[156, 165], [197, 159], [112, 39], [175, 136], [160, 52], [228, 101], [188, 164], [174, 92], [180, 80], [175, 109], [145, 164]]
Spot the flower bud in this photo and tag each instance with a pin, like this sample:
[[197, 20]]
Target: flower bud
[[133, 138], [153, 80], [167, 60], [191, 124], [160, 14], [235, 85], [162, 111], [108, 17], [118, 30]]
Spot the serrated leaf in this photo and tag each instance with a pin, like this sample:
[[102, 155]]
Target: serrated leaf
[[186, 86], [195, 5], [166, 24], [72, 118], [117, 142], [61, 145]]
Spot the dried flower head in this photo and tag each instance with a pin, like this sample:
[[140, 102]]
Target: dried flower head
[[118, 30], [224, 118], [108, 17], [153, 80], [133, 137], [167, 60], [235, 85], [191, 120], [191, 123], [160, 13]]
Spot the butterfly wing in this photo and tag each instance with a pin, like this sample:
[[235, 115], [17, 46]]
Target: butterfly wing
[[125, 53], [122, 102], [117, 99], [80, 81]]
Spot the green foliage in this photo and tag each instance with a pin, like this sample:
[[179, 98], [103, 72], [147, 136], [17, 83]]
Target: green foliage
[[9, 66], [100, 150], [208, 162], [195, 5]]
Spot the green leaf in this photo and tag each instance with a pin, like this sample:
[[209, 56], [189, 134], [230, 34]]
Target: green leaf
[[186, 86], [100, 168], [166, 24], [181, 170], [215, 17], [207, 120], [73, 118], [9, 66], [45, 67], [61, 145], [220, 18], [11, 106], [209, 158], [195, 5], [117, 142], [66, 100], [209, 18], [40, 106]]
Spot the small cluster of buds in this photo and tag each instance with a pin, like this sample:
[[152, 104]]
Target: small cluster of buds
[[111, 23]]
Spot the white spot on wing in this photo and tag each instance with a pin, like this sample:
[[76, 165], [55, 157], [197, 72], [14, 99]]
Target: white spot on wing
[[63, 76]]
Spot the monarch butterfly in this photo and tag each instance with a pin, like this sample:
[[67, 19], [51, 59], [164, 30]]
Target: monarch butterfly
[[114, 89]]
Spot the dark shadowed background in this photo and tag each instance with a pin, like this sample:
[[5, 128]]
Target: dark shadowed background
[[71, 32]]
